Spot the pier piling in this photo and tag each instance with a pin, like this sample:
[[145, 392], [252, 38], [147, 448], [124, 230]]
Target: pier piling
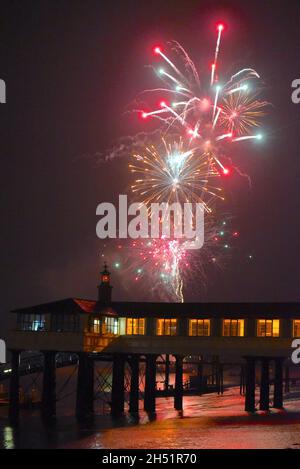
[[134, 384], [167, 372], [178, 392], [278, 383], [85, 386], [264, 403], [250, 385], [49, 385], [117, 392], [287, 379], [150, 383], [14, 388]]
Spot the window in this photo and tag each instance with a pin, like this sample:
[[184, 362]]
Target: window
[[296, 328], [65, 323], [31, 322], [166, 326], [135, 326], [96, 326], [199, 327], [233, 327], [104, 325], [110, 326], [268, 328]]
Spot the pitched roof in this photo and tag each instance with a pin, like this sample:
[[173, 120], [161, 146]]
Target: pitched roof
[[212, 309], [159, 309], [68, 306]]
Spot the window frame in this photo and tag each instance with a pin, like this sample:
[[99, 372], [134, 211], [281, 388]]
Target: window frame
[[29, 322], [199, 322], [141, 325], [294, 326], [266, 335], [237, 325], [167, 324], [67, 323], [109, 324], [95, 326]]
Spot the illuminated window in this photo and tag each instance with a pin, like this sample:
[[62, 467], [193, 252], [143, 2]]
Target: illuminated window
[[296, 328], [268, 328], [135, 326], [31, 322], [166, 326], [104, 325], [110, 326], [199, 327], [96, 326], [233, 327]]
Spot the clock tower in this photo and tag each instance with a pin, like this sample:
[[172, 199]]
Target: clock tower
[[104, 288]]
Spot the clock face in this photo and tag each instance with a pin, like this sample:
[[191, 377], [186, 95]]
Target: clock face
[[105, 278]]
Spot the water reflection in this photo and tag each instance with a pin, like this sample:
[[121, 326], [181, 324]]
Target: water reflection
[[207, 421], [8, 438]]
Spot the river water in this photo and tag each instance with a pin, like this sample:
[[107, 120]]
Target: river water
[[207, 421]]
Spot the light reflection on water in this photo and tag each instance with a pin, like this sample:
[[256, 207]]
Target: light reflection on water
[[208, 421], [8, 437]]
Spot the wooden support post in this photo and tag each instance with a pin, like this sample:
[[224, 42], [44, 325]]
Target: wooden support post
[[250, 385], [242, 380], [80, 387], [49, 386], [278, 383], [199, 377], [117, 392], [178, 393], [217, 374], [213, 371], [221, 378], [14, 403], [85, 386], [150, 383], [218, 381], [90, 384], [134, 384], [264, 403], [167, 372], [287, 379]]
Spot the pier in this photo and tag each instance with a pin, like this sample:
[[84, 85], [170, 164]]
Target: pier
[[138, 338]]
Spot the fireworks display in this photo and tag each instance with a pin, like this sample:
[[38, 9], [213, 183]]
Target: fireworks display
[[198, 123], [210, 118], [173, 173], [162, 267]]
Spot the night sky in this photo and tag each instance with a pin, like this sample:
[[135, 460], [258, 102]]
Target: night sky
[[71, 69]]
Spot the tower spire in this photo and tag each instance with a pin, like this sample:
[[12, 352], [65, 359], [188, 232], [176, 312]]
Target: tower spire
[[104, 288]]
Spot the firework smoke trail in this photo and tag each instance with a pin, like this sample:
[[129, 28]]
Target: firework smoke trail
[[176, 270], [214, 65], [174, 172], [163, 266]]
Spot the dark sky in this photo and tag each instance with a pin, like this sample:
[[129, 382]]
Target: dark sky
[[71, 68]]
